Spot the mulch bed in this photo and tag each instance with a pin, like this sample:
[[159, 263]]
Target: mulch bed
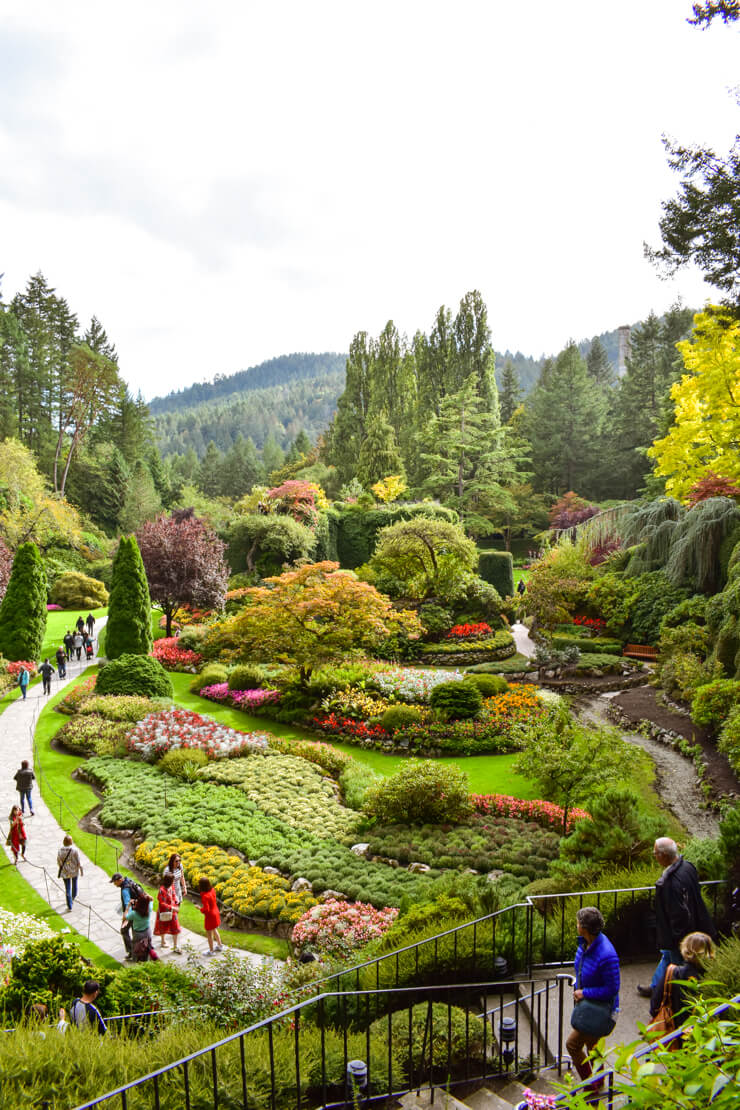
[[641, 704]]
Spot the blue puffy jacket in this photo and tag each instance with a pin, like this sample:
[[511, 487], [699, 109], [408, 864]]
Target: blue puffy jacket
[[599, 970]]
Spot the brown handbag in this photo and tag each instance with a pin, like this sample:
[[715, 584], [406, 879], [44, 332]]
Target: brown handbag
[[664, 1021]]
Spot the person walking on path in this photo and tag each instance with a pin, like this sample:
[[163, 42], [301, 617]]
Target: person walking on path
[[78, 643], [84, 1012], [24, 780], [17, 834], [596, 994], [80, 624], [139, 914], [23, 680], [679, 908], [174, 868], [90, 622], [695, 948], [46, 670], [61, 658], [212, 918], [130, 891], [70, 867], [167, 924], [69, 643]]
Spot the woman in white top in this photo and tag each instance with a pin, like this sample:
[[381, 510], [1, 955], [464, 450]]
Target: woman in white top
[[174, 868], [68, 862]]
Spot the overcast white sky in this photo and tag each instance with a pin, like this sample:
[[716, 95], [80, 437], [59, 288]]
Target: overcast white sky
[[223, 183]]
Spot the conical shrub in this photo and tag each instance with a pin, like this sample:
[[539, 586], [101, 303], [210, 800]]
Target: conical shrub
[[129, 630], [23, 611]]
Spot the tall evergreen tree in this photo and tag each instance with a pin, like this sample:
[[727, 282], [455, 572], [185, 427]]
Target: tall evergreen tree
[[97, 340], [510, 393], [129, 630], [23, 609], [141, 501], [209, 473], [379, 454], [273, 456], [598, 364], [347, 430], [241, 469]]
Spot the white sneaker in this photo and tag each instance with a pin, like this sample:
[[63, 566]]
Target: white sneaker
[[208, 952], [219, 948]]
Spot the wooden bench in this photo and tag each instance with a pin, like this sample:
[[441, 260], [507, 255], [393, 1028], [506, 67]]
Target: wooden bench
[[640, 651]]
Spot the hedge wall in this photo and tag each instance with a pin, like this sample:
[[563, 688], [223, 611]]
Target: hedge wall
[[497, 568], [353, 532]]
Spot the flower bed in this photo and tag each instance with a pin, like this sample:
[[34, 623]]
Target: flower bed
[[331, 760], [168, 652], [19, 929], [340, 928], [595, 624], [469, 631], [247, 700], [119, 707], [15, 668], [547, 814], [245, 889], [92, 735], [471, 649], [73, 699], [410, 683], [180, 728]]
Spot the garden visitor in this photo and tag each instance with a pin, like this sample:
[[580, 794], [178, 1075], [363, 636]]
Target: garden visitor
[[90, 622], [174, 868], [139, 913], [69, 643], [167, 924], [17, 834], [40, 1013], [78, 643], [89, 650], [70, 867], [84, 1012], [694, 948], [23, 680], [130, 891], [24, 779], [521, 588], [46, 670], [596, 993], [61, 658], [212, 918], [80, 624], [679, 908]]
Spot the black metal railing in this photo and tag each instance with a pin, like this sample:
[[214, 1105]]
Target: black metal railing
[[376, 1045]]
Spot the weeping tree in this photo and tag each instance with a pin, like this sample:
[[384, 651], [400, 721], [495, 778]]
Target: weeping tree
[[695, 556], [723, 619]]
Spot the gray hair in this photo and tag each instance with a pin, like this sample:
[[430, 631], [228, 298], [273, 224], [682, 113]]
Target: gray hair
[[666, 848], [590, 919]]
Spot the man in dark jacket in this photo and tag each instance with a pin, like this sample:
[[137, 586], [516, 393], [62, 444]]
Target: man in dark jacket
[[24, 779], [679, 908], [46, 670]]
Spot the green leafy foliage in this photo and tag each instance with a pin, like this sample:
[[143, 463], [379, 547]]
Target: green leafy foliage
[[618, 834], [422, 791], [73, 590], [596, 646], [128, 631], [455, 1038], [183, 763], [121, 707], [488, 684], [456, 701], [245, 676], [729, 738], [135, 674], [712, 703], [497, 568], [354, 783], [23, 609], [92, 735], [399, 716], [49, 971], [212, 675]]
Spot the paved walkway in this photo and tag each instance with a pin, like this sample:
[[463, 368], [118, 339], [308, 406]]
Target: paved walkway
[[97, 911], [524, 645]]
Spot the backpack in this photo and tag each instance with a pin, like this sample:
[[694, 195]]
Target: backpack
[[134, 889]]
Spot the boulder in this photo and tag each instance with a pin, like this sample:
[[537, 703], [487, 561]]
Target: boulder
[[359, 849], [418, 868], [333, 896], [271, 871], [301, 884]]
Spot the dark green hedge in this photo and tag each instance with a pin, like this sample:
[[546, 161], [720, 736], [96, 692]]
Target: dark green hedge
[[353, 532], [596, 646], [497, 568]]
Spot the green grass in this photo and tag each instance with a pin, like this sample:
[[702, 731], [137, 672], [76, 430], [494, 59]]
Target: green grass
[[54, 770], [57, 623], [521, 574], [19, 897], [487, 774]]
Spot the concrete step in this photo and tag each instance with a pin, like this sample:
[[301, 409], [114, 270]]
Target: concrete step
[[486, 1099]]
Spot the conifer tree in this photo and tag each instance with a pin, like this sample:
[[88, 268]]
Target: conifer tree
[[598, 364], [510, 392], [379, 454], [23, 610], [128, 631]]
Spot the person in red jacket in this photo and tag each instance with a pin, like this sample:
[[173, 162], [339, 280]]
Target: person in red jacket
[[17, 834], [167, 924], [212, 918]]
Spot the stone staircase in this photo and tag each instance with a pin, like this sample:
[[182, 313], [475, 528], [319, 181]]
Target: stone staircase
[[495, 1094]]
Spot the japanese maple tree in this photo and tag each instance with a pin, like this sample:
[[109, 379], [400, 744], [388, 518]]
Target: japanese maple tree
[[184, 563]]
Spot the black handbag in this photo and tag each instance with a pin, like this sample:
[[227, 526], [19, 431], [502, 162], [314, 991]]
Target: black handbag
[[590, 1017]]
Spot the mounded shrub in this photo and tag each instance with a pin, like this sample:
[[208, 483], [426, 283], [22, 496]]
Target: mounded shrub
[[421, 792], [191, 638], [23, 611], [183, 763], [212, 675], [398, 716], [134, 674], [455, 1040], [456, 701], [129, 630], [245, 676], [729, 739], [92, 735], [73, 590], [597, 646], [497, 568], [488, 684], [712, 703], [436, 620]]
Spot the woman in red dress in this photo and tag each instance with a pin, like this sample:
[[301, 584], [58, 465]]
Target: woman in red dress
[[212, 918], [17, 834], [167, 924]]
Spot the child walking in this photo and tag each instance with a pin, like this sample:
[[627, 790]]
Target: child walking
[[212, 917]]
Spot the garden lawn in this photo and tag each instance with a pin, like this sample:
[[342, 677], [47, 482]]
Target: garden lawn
[[487, 774], [57, 623], [70, 800], [19, 897]]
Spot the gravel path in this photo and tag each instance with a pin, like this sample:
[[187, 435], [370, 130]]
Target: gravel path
[[676, 780], [524, 645]]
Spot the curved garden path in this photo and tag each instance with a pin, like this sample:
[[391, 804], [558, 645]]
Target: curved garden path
[[524, 645], [97, 911]]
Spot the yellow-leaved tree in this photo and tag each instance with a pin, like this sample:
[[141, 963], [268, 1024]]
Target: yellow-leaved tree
[[705, 434]]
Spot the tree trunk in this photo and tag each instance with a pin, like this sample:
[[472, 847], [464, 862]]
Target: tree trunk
[[168, 619]]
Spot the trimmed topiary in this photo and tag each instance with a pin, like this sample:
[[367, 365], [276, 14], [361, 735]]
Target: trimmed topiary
[[134, 674], [456, 701], [129, 630], [73, 590], [423, 791], [23, 610], [245, 676], [497, 568], [489, 684], [398, 716]]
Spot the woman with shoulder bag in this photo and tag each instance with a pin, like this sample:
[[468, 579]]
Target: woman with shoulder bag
[[668, 1005], [167, 924], [596, 993]]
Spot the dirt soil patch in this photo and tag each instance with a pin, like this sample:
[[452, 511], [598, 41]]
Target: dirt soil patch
[[641, 704]]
